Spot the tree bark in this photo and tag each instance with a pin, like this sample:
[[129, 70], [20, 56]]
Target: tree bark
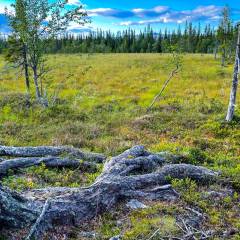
[[136, 173], [233, 94]]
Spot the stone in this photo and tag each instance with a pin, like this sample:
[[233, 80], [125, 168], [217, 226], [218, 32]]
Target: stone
[[135, 204], [116, 238], [88, 234]]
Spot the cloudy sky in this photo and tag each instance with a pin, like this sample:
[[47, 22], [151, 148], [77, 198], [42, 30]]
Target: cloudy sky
[[121, 14]]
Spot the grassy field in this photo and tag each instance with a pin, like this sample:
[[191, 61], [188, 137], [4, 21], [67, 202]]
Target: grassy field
[[102, 105]]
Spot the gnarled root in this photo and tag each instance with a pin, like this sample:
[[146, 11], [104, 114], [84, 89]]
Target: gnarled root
[[49, 156], [43, 151], [135, 173]]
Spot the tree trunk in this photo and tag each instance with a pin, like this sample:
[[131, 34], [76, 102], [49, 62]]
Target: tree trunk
[[136, 173], [26, 68], [35, 77], [233, 94], [223, 57], [215, 52]]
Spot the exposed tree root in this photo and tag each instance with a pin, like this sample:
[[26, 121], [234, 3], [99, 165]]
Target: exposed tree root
[[135, 173], [51, 162], [50, 151]]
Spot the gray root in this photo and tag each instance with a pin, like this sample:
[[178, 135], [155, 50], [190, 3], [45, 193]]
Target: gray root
[[135, 173], [44, 151], [51, 162]]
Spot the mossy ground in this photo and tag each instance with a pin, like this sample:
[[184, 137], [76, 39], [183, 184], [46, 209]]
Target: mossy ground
[[101, 106]]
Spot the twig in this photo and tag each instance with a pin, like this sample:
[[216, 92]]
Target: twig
[[38, 221], [154, 234], [195, 211], [181, 227]]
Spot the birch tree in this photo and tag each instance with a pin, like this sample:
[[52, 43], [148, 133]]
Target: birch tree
[[233, 94], [43, 20]]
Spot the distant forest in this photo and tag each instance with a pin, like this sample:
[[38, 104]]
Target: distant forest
[[191, 39]]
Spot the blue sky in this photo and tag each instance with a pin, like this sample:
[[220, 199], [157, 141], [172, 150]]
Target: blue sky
[[121, 14]]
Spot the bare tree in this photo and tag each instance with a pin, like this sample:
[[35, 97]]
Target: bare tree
[[233, 95]]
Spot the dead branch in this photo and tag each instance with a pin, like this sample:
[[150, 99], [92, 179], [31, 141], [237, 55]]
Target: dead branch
[[173, 73]]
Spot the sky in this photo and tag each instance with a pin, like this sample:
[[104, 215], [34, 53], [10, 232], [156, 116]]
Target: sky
[[118, 15]]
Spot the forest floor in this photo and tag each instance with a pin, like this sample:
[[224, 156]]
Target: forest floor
[[99, 103]]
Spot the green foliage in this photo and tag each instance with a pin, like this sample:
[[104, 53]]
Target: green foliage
[[196, 156], [19, 183], [188, 190], [41, 176], [234, 174], [108, 227]]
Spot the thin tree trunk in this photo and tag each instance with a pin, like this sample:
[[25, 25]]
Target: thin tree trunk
[[223, 58], [233, 95], [215, 52], [35, 77], [26, 68]]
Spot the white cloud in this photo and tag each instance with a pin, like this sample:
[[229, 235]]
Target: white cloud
[[119, 13], [74, 2], [76, 28], [159, 14], [3, 6], [166, 15]]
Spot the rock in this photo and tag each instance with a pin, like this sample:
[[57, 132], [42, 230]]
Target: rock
[[135, 204], [116, 238], [119, 223], [194, 221], [216, 194], [87, 234]]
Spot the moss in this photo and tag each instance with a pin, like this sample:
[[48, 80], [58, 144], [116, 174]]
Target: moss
[[108, 227], [41, 176], [143, 223]]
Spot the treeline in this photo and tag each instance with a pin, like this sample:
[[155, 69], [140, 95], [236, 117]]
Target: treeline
[[3, 43], [190, 40]]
